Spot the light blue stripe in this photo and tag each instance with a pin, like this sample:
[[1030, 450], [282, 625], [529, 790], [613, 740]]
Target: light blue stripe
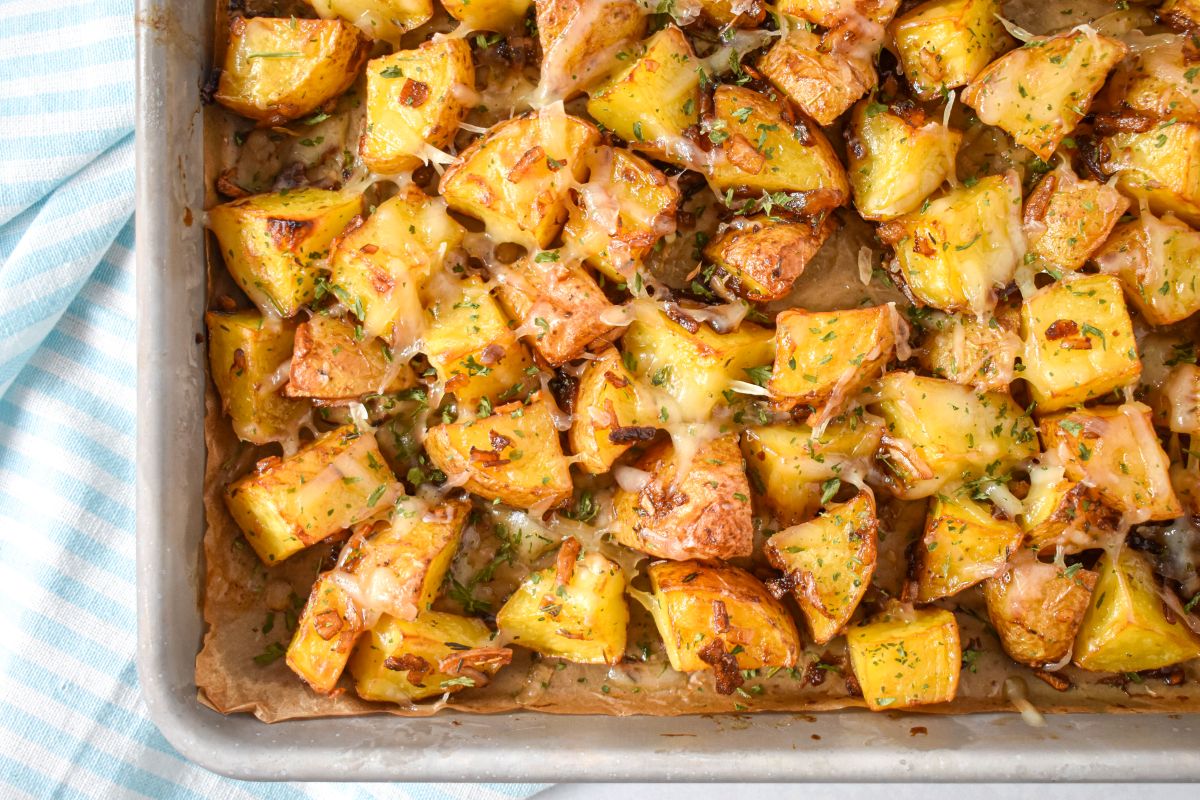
[[78, 543], [52, 430], [85, 400], [34, 783]]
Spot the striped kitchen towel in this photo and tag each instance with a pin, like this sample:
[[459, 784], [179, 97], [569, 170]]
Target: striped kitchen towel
[[72, 723]]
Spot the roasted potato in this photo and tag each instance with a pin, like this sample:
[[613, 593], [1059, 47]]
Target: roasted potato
[[1127, 626], [896, 158], [488, 15], [693, 365], [904, 658], [335, 363], [1078, 342], [613, 412], [824, 359], [1155, 259], [1155, 82], [434, 654], [821, 78], [1115, 450], [332, 483], [1062, 514], [742, 13], [827, 563], [794, 466], [473, 348], [516, 178], [690, 504], [559, 309], [1177, 401], [944, 44], [718, 617], [513, 456], [939, 432], [1161, 167], [964, 544], [415, 100], [583, 40], [1067, 219], [763, 257], [960, 248], [760, 147], [280, 69], [828, 13], [329, 627], [575, 610], [378, 19], [247, 355], [1037, 608], [1038, 93], [272, 243], [1182, 15], [973, 351]]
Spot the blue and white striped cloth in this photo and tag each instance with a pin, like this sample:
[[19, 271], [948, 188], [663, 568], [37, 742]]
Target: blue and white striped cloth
[[72, 723]]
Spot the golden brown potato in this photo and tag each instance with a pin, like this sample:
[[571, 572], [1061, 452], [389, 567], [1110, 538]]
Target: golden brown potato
[[1156, 82], [1036, 609], [334, 362], [742, 13], [488, 15], [905, 657], [280, 69], [824, 359], [1067, 219], [827, 563], [513, 456], [1176, 401], [943, 44], [828, 13], [575, 610], [1155, 260], [716, 616], [612, 413], [972, 351], [1161, 166], [329, 626], [1181, 15], [763, 257], [516, 178], [415, 100], [559, 309], [964, 544], [697, 507], [1060, 513], [821, 78], [1038, 93], [378, 19], [1115, 450], [581, 41], [1078, 342]]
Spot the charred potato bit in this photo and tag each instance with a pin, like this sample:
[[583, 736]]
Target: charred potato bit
[[764, 257]]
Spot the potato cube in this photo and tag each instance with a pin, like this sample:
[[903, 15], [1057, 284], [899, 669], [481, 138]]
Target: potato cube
[[332, 483], [415, 100], [1155, 259], [1115, 450], [329, 626], [719, 617], [828, 13], [559, 309], [763, 256], [378, 19], [694, 365], [1062, 514], [471, 344], [822, 79], [741, 13], [823, 359], [964, 544], [958, 250], [1067, 219], [906, 658], [972, 351], [697, 507], [945, 43], [761, 148], [653, 101], [626, 206], [1037, 608], [939, 432], [1157, 82], [1181, 15], [335, 363], [1161, 166], [247, 354], [1126, 627], [896, 158], [280, 69], [516, 178], [380, 267], [827, 564], [575, 610], [513, 456], [794, 467], [612, 413], [1038, 93], [271, 243], [1078, 342], [399, 662], [488, 15], [580, 42]]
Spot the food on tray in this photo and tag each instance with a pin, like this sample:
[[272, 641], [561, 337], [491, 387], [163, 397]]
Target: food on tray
[[620, 357]]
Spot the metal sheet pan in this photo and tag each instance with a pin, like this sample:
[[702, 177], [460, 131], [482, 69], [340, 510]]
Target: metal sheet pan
[[172, 59]]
